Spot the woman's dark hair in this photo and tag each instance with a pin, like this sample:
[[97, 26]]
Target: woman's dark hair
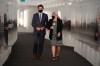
[[40, 6]]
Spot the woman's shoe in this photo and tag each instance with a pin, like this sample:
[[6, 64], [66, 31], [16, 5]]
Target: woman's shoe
[[39, 58], [54, 58], [34, 57], [57, 57]]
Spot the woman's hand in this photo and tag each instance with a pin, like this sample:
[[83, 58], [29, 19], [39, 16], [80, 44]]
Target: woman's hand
[[52, 27], [42, 28], [59, 34]]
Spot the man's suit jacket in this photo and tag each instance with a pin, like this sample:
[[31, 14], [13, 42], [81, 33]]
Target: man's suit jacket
[[36, 22]]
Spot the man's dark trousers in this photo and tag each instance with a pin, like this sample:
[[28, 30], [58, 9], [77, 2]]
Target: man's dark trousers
[[38, 43]]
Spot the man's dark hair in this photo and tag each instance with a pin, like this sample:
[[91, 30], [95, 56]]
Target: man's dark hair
[[40, 6]]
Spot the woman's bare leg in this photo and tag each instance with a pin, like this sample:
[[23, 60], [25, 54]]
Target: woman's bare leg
[[57, 50], [53, 51]]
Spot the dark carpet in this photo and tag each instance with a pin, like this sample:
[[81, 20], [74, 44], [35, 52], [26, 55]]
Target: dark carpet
[[21, 54]]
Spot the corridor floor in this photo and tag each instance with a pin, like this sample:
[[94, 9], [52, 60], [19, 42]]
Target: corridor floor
[[21, 54]]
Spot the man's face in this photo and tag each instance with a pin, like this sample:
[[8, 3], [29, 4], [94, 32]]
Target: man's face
[[40, 8]]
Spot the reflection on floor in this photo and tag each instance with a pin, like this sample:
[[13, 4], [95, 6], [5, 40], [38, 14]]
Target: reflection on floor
[[22, 54]]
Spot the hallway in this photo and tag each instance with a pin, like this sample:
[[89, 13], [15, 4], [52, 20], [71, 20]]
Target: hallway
[[21, 54]]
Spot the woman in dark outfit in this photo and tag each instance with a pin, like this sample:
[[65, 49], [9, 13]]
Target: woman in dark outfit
[[55, 26], [97, 28]]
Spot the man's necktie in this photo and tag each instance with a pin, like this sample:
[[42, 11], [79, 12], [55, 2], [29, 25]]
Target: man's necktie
[[40, 17]]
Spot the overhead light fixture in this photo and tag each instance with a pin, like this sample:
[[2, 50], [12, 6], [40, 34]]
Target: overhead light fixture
[[9, 3], [71, 0], [63, 3], [79, 0], [59, 4], [69, 3]]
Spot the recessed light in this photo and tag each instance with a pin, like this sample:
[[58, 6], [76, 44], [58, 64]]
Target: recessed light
[[69, 3], [9, 3]]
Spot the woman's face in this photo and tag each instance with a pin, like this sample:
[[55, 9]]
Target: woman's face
[[53, 14]]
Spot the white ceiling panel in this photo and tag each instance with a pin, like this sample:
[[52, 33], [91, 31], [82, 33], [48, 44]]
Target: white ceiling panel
[[51, 2], [34, 2]]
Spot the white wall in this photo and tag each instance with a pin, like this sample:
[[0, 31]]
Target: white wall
[[1, 8], [11, 11], [31, 10], [10, 8], [76, 11]]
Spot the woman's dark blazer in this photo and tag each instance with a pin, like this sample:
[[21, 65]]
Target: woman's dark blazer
[[59, 28]]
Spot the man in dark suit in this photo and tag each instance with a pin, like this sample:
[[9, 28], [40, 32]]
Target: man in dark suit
[[39, 23]]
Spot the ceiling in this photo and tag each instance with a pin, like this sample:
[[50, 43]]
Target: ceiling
[[34, 2], [52, 2]]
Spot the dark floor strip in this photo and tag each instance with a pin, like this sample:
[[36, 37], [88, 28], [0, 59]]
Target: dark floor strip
[[21, 54]]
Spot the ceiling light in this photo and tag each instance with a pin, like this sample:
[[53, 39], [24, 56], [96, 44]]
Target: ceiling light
[[69, 3], [63, 3], [9, 3], [71, 0]]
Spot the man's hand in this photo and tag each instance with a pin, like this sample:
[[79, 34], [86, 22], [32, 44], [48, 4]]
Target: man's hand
[[97, 35], [59, 34], [38, 28], [42, 28], [52, 27]]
